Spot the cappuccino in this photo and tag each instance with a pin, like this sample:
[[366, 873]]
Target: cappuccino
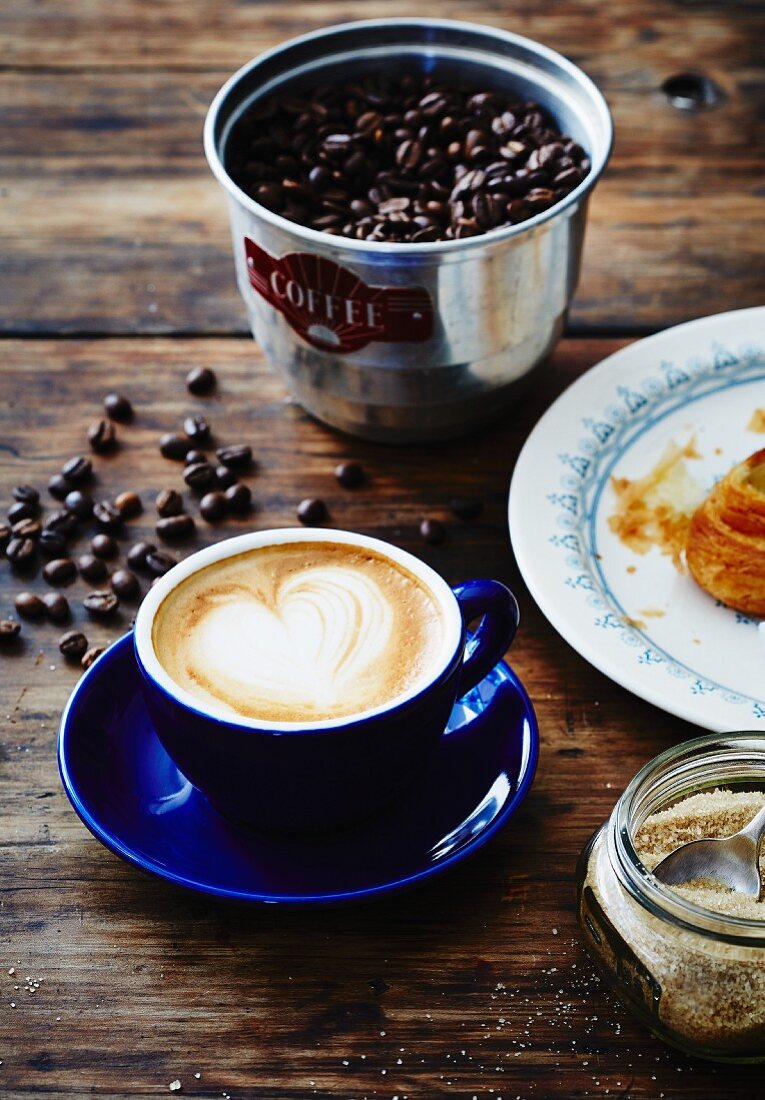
[[300, 632]]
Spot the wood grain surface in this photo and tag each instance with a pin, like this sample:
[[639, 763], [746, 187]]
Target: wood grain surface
[[113, 222], [476, 982]]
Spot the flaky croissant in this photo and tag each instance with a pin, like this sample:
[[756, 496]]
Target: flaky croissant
[[725, 550]]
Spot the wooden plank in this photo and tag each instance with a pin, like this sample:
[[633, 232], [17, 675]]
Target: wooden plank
[[457, 989], [112, 222]]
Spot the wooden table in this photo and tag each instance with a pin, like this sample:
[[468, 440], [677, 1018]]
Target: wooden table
[[116, 273]]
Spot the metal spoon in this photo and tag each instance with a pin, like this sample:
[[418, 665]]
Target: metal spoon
[[731, 860]]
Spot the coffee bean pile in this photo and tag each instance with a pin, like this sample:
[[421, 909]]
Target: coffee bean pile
[[406, 159]]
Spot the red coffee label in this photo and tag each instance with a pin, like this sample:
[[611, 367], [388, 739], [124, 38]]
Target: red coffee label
[[331, 308]]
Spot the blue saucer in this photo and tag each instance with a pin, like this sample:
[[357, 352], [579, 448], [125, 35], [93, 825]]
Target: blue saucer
[[134, 800]]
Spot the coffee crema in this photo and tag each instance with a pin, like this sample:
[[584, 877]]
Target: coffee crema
[[300, 632]]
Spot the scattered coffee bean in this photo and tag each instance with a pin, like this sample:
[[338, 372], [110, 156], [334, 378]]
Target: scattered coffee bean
[[57, 607], [26, 494], [22, 509], [196, 428], [432, 531], [125, 584], [104, 546], [136, 555], [312, 512], [466, 507], [80, 503], [237, 456], [224, 477], [58, 486], [200, 477], [169, 503], [350, 475], [101, 604], [158, 562], [52, 544], [107, 516], [73, 645], [172, 445], [5, 535], [59, 571], [77, 470], [176, 528], [238, 498], [63, 521], [212, 506], [91, 655], [20, 552], [91, 567], [128, 504], [118, 407], [200, 380], [102, 437], [27, 529], [9, 632], [29, 606], [193, 457]]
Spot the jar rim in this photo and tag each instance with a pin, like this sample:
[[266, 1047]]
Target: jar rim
[[677, 764]]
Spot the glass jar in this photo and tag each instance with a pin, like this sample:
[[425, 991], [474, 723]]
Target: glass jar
[[696, 978]]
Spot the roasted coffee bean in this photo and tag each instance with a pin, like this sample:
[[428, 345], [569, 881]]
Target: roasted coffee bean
[[193, 457], [159, 563], [101, 604], [466, 507], [238, 498], [350, 475], [238, 456], [57, 607], [22, 509], [128, 504], [196, 428], [52, 544], [63, 521], [5, 535], [73, 645], [125, 584], [21, 553], [104, 546], [118, 407], [58, 486], [9, 632], [172, 445], [26, 494], [91, 567], [29, 606], [26, 529], [169, 503], [312, 511], [432, 531], [200, 380], [212, 506], [80, 503], [224, 477], [77, 470], [107, 516], [59, 571], [176, 528], [137, 554], [102, 437], [200, 477], [91, 655]]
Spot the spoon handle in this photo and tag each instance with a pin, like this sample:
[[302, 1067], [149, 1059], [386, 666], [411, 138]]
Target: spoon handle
[[755, 830]]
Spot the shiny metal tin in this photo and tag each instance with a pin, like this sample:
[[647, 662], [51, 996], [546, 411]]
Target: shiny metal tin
[[499, 300]]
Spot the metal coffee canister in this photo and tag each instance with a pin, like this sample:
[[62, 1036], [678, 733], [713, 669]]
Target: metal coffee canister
[[410, 342]]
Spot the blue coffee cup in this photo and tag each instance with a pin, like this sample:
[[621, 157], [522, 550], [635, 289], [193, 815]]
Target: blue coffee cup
[[321, 775]]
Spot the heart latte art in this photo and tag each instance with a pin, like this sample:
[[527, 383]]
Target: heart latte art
[[299, 632]]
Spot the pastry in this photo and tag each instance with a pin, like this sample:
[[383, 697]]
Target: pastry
[[725, 550]]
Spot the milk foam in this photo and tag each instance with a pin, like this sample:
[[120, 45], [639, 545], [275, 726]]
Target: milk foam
[[299, 631]]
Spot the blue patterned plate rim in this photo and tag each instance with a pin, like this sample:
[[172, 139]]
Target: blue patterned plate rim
[[526, 734]]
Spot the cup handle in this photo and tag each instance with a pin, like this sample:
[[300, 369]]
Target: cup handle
[[499, 613]]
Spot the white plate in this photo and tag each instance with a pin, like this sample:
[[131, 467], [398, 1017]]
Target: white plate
[[701, 661]]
